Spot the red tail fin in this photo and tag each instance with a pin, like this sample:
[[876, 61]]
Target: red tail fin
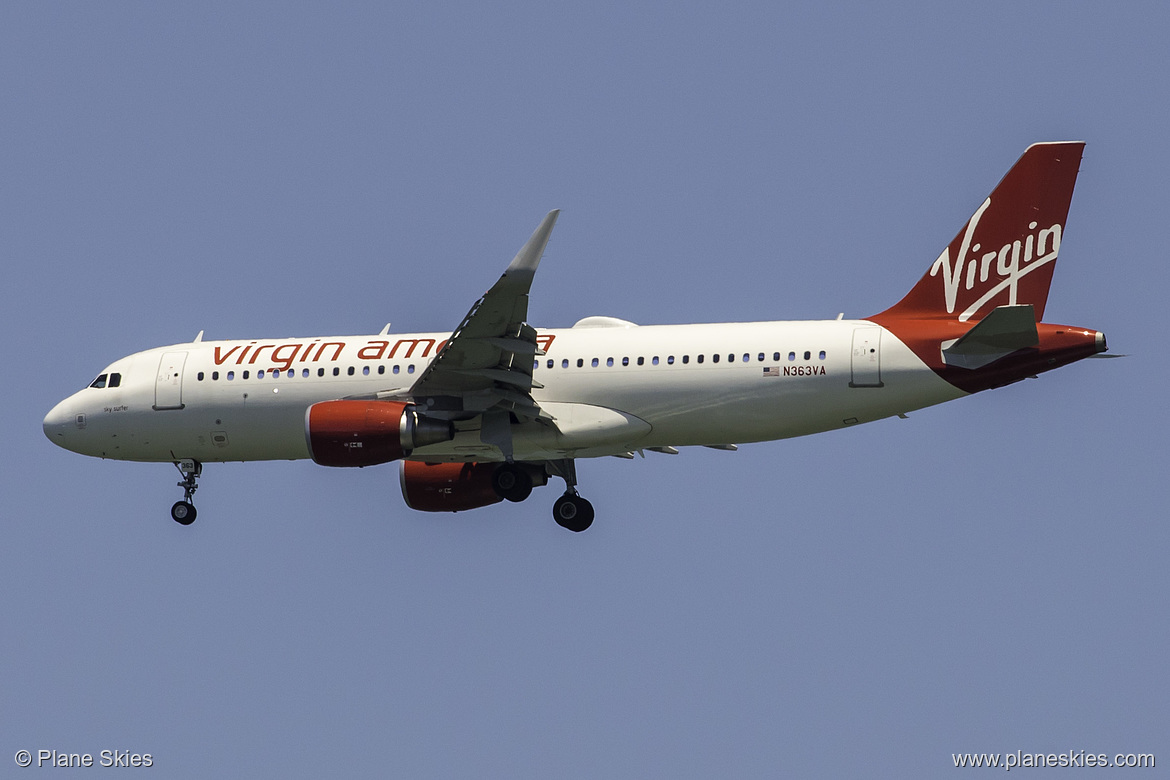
[[1006, 252]]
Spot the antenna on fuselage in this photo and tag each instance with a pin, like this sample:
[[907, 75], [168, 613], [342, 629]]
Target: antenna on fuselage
[[386, 330], [198, 338]]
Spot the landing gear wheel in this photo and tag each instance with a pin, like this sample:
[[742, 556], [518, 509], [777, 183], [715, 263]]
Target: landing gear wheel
[[183, 513], [573, 512], [512, 483]]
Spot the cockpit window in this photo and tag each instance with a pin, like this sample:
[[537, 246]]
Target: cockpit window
[[115, 380], [99, 382]]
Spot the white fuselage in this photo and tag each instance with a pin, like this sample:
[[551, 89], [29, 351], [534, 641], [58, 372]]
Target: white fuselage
[[473, 422], [611, 390]]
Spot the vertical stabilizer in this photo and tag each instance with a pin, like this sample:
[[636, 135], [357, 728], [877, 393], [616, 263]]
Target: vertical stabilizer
[[1006, 253]]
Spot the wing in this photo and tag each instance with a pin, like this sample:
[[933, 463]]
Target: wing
[[485, 367]]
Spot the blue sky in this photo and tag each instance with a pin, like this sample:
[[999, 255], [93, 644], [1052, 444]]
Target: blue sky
[[987, 576]]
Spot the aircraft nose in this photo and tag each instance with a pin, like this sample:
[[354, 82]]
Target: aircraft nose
[[60, 421]]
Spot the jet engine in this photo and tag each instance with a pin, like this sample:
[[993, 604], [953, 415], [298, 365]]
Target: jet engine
[[453, 487], [448, 487], [366, 433]]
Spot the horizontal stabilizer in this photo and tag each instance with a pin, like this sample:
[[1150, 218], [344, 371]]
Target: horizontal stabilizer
[[1005, 330]]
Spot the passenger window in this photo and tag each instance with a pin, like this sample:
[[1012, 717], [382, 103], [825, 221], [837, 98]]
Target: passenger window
[[99, 383], [641, 361], [609, 362], [365, 370], [670, 360], [115, 380], [320, 372], [410, 369], [259, 374], [580, 362], [231, 375], [714, 358], [792, 356], [760, 357], [396, 369], [686, 359], [747, 358], [381, 370], [807, 355], [244, 375], [775, 355], [214, 375], [625, 361], [822, 354], [565, 363], [699, 359], [199, 377], [595, 362], [654, 360], [551, 363], [336, 371], [349, 371]]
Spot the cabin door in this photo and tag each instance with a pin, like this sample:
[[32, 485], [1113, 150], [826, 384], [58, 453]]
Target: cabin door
[[168, 387], [867, 357]]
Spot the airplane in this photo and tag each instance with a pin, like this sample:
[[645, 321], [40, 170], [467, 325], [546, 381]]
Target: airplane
[[497, 407]]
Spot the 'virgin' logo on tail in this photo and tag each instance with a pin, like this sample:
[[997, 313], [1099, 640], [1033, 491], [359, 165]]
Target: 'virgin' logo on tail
[[1011, 262]]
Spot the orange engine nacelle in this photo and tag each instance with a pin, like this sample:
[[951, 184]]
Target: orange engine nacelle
[[448, 487], [366, 433]]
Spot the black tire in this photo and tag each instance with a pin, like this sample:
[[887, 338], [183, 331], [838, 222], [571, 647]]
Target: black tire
[[183, 512], [512, 483], [573, 513]]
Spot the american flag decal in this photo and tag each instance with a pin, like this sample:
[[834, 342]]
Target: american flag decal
[[771, 370]]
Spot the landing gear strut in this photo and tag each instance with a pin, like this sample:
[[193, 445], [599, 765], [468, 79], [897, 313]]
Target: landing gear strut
[[183, 512], [570, 510]]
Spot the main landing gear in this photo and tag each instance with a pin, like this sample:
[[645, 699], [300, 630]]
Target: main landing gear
[[183, 512], [573, 512], [514, 482], [570, 510]]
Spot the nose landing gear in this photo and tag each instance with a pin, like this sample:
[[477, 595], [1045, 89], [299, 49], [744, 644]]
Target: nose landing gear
[[183, 512]]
